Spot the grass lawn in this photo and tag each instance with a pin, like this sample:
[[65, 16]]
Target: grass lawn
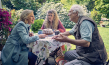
[[104, 32]]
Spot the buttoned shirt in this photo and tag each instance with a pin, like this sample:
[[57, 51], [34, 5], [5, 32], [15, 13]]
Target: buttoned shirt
[[86, 30]]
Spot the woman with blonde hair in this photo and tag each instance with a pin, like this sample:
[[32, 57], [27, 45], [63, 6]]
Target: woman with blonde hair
[[15, 51], [52, 21]]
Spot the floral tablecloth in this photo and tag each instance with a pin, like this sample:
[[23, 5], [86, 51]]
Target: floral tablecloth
[[44, 47]]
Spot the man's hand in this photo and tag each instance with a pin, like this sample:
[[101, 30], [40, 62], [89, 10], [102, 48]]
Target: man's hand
[[61, 38]]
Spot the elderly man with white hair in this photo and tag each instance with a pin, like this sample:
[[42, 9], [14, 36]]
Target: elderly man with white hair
[[90, 49]]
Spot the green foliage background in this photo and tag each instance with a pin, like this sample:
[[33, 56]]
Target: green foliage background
[[61, 11], [96, 16], [37, 25], [22, 4], [103, 7]]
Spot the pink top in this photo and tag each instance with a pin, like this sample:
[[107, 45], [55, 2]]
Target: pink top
[[60, 27]]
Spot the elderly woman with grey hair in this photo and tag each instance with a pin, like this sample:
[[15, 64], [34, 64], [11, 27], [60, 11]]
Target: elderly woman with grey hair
[[15, 51], [90, 49]]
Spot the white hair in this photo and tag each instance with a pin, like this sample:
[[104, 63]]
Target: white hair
[[79, 9]]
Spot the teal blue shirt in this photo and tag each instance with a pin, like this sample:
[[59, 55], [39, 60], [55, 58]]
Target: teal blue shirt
[[86, 30]]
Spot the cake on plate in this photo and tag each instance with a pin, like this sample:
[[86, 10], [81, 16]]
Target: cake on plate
[[47, 31]]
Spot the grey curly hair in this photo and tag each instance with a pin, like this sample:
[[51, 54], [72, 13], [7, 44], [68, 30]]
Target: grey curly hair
[[78, 8]]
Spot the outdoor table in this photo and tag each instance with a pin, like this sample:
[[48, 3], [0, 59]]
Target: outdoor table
[[44, 47]]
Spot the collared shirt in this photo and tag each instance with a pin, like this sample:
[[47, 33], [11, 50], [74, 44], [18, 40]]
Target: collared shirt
[[28, 26], [86, 30]]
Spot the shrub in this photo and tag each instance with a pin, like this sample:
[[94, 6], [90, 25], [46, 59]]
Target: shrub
[[15, 14], [96, 16], [26, 4], [61, 11], [5, 25], [37, 25]]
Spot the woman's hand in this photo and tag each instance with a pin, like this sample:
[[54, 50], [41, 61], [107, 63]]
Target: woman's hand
[[31, 34], [42, 35]]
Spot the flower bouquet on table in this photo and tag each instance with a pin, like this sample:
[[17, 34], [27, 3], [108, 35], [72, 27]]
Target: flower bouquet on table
[[5, 25]]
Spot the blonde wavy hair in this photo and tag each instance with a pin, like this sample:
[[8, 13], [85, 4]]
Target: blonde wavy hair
[[55, 20], [24, 15]]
